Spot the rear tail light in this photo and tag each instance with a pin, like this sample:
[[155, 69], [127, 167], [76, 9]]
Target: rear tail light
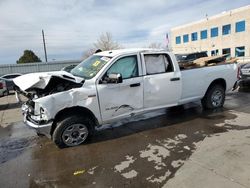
[[1, 85]]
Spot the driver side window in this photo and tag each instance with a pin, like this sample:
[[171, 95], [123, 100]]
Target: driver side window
[[126, 66]]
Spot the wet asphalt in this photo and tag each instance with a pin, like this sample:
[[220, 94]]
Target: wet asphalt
[[145, 151]]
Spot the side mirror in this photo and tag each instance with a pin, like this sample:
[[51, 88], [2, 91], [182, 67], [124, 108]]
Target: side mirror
[[114, 78]]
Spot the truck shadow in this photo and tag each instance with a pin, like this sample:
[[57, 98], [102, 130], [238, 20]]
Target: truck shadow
[[168, 118]]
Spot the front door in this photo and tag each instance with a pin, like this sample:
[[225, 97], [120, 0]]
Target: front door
[[121, 99]]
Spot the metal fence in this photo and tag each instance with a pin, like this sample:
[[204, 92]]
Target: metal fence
[[35, 67]]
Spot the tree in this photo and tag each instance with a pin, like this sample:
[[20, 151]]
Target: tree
[[156, 45], [105, 42], [28, 57]]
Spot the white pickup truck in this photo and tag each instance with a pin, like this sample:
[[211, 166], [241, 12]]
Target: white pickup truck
[[116, 84]]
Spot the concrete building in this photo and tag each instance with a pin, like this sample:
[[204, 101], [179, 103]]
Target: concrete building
[[225, 33]]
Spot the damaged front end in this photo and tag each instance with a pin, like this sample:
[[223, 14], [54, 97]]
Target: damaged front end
[[36, 121], [36, 88]]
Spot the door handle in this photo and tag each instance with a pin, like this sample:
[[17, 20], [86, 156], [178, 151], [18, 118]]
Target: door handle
[[175, 79], [135, 85]]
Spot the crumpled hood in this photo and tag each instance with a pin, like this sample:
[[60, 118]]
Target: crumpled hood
[[41, 79]]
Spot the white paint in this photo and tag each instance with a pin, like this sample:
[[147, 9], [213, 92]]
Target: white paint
[[186, 147], [130, 174], [153, 92], [169, 143], [137, 118], [155, 154], [124, 164], [177, 163], [180, 136], [41, 79], [197, 132], [201, 78], [159, 179], [92, 170], [157, 92]]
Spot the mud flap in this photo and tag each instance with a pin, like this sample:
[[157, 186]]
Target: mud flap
[[236, 85]]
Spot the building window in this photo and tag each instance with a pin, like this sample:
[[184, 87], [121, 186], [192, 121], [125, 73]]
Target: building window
[[204, 34], [240, 51], [178, 40], [214, 52], [226, 51], [214, 32], [226, 29], [185, 38], [194, 36], [240, 26]]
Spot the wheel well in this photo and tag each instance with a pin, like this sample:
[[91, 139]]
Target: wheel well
[[77, 110], [219, 81]]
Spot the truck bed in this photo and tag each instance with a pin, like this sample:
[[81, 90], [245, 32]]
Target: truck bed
[[196, 79], [205, 62]]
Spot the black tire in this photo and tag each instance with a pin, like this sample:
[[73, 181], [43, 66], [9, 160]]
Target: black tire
[[6, 93], [209, 100], [62, 126]]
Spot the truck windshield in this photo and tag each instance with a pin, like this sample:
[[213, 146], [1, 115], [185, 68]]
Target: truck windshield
[[89, 67]]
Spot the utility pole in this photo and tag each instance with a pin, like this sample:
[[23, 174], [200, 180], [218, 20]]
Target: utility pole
[[44, 47]]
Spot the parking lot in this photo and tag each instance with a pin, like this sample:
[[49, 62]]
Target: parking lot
[[178, 147]]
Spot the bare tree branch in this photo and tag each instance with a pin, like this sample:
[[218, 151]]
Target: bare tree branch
[[156, 45], [105, 42]]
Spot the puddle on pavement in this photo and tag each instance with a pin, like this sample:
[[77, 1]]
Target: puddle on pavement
[[166, 156], [14, 140]]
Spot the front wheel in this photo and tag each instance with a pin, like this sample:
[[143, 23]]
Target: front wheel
[[72, 131], [214, 98]]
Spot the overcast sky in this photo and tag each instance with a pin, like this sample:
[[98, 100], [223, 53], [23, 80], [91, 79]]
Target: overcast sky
[[71, 26]]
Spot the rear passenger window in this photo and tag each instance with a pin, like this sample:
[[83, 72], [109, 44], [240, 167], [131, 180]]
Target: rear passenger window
[[158, 63]]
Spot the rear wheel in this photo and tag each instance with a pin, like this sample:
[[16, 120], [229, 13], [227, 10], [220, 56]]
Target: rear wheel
[[6, 93], [214, 97], [72, 131]]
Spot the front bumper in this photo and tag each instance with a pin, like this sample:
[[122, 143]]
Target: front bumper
[[43, 128]]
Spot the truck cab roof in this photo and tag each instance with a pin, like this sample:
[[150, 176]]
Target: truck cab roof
[[113, 53]]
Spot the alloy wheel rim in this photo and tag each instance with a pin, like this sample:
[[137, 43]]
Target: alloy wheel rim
[[75, 134], [217, 98]]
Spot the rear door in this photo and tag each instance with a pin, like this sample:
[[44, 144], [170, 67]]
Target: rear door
[[122, 99], [162, 81]]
